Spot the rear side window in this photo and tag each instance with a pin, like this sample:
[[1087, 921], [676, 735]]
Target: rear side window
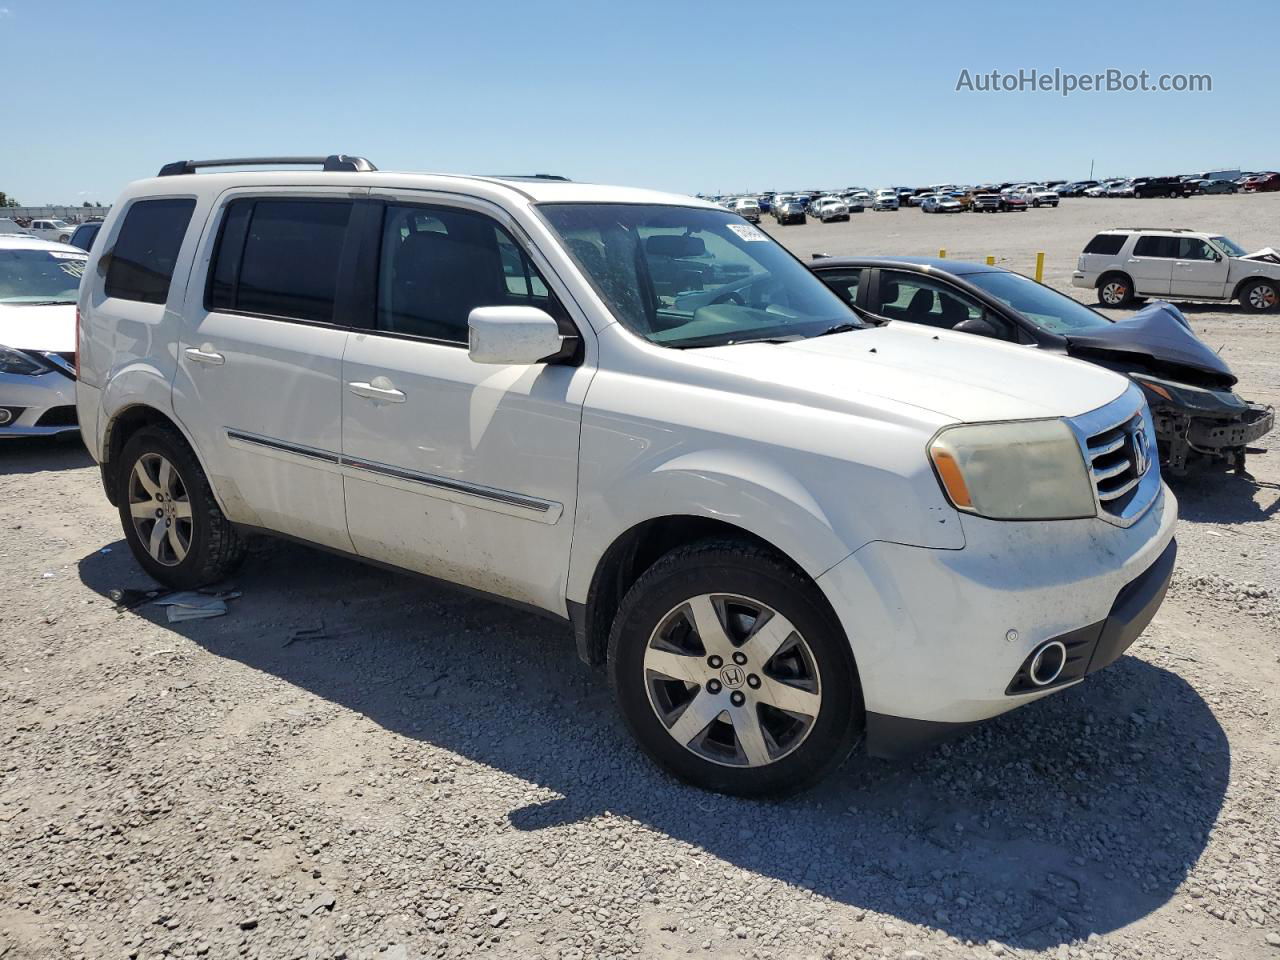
[[146, 251], [1156, 246], [1107, 244], [279, 258]]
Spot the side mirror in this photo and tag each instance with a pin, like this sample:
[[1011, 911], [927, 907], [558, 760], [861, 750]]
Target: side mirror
[[976, 325], [516, 335]]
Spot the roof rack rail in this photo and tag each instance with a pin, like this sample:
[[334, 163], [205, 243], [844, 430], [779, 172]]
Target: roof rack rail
[[529, 176], [1159, 229], [333, 162]]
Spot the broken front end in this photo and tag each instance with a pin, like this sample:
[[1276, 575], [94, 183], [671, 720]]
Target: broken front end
[[1204, 422]]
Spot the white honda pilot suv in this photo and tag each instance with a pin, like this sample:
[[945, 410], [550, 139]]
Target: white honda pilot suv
[[784, 533]]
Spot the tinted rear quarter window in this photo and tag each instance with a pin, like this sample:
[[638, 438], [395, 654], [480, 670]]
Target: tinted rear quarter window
[[1107, 244], [146, 251], [279, 258], [1155, 246]]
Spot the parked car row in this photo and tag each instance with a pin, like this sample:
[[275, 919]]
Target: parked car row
[[1185, 185]]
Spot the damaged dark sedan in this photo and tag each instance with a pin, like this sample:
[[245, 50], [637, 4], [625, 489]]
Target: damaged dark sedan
[[1189, 387]]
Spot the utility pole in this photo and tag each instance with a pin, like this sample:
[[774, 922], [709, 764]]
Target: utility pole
[[1090, 169]]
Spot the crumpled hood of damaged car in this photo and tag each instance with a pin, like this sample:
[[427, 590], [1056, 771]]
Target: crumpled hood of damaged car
[[1157, 332]]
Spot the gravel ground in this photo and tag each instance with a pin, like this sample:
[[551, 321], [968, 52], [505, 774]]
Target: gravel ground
[[428, 774]]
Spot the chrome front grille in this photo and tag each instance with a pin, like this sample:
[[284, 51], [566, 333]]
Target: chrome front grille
[[1118, 444], [1119, 458]]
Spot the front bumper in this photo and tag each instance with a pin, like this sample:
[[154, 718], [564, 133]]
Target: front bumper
[[39, 406], [938, 635], [1089, 649]]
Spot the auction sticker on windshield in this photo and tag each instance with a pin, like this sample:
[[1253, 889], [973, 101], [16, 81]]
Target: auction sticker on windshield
[[748, 232]]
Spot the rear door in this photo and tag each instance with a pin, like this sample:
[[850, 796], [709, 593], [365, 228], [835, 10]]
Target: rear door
[[459, 470], [258, 383], [1151, 263], [1199, 271]]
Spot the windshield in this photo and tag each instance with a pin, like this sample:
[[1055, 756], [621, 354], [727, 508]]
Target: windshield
[[689, 277], [1044, 307], [1232, 248], [40, 276]]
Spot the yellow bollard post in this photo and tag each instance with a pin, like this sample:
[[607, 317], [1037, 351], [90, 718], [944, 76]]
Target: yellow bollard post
[[991, 261], [942, 254], [1040, 267]]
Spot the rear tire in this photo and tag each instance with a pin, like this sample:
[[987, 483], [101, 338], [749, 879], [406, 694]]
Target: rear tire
[[171, 521], [705, 707], [1115, 290]]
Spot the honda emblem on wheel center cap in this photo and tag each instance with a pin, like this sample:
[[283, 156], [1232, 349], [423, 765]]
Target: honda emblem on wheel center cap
[[733, 676]]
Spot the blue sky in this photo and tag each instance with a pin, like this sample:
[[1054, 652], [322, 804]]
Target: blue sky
[[711, 96]]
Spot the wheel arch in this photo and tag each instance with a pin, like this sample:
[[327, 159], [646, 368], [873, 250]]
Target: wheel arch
[[1108, 274], [1239, 288], [636, 550], [124, 424]]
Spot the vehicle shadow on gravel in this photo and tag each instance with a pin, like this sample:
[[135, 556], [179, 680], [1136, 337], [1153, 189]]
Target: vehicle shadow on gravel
[[42, 454], [1077, 814], [1219, 496]]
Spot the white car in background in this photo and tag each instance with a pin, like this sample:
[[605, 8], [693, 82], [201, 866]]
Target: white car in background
[[39, 282], [828, 209], [58, 231], [11, 227], [1037, 195], [1128, 264], [941, 203], [885, 200], [746, 207]]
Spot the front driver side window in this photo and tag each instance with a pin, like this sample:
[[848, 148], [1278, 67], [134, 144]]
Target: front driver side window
[[439, 263], [918, 299], [843, 283]]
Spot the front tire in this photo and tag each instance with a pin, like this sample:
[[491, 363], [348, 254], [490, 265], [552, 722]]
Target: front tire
[[1260, 296], [171, 521], [732, 673]]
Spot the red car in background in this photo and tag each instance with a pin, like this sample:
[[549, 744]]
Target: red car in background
[[1262, 183]]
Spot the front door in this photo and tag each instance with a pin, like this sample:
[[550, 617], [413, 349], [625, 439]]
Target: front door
[[456, 469], [260, 364], [1199, 270]]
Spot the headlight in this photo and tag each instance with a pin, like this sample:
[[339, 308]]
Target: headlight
[[15, 361], [1193, 399], [1023, 470]]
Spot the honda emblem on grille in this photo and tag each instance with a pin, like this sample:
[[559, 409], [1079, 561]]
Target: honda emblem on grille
[[1141, 450]]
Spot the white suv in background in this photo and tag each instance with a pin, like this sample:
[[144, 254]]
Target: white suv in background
[[57, 231], [781, 530], [1127, 264]]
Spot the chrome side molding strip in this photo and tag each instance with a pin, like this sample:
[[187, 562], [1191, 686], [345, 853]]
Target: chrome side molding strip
[[548, 511]]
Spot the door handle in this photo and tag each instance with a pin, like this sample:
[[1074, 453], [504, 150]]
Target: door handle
[[205, 354], [380, 390]]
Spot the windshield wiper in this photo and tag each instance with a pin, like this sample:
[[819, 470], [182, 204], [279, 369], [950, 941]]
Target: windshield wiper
[[840, 328], [42, 303]]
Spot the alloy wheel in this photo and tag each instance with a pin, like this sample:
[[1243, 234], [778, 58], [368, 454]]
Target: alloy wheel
[[732, 680], [1114, 292], [161, 509], [1263, 297]]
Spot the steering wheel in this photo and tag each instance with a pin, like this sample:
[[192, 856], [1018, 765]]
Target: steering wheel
[[733, 296]]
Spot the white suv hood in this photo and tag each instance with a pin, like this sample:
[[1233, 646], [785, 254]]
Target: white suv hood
[[46, 329], [960, 376]]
